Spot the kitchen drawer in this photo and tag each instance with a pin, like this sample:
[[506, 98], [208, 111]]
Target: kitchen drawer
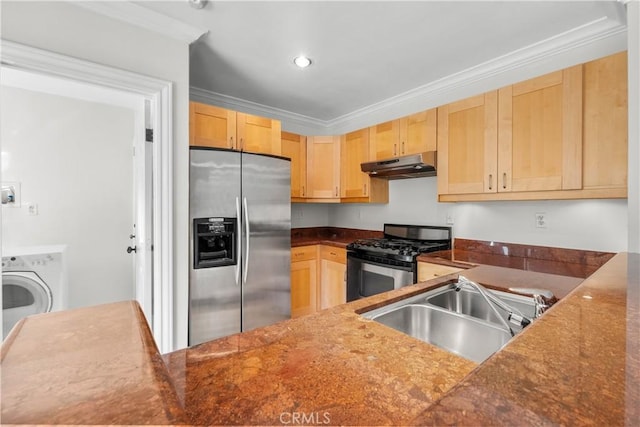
[[333, 254], [427, 271], [303, 253]]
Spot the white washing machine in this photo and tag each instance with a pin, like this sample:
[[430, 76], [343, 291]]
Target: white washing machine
[[33, 282]]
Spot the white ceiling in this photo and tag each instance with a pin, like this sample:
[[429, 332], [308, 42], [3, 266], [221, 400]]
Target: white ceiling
[[364, 53]]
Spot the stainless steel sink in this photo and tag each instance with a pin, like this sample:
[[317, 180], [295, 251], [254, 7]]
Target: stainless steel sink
[[472, 339], [470, 302], [458, 318]]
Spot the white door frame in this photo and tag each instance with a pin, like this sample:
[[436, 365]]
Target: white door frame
[[159, 93]]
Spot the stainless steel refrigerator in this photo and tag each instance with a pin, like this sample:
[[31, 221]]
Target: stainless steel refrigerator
[[240, 240]]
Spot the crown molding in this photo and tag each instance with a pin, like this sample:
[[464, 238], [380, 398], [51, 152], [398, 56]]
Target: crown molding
[[581, 44], [590, 41], [37, 60], [142, 17], [295, 122]]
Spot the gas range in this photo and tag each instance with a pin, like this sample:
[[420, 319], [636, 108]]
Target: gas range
[[395, 249], [404, 242], [381, 265]]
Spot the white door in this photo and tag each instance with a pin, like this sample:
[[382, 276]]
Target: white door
[[142, 232]]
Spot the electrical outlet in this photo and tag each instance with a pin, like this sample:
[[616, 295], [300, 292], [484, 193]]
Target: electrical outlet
[[541, 220], [449, 219], [32, 209]]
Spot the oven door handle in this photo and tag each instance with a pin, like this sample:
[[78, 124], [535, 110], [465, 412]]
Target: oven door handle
[[366, 266], [396, 272], [363, 261]]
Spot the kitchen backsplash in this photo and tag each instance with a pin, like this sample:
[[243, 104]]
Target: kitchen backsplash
[[599, 225]]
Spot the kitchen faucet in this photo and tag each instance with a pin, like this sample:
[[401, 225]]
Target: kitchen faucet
[[514, 315], [542, 298]]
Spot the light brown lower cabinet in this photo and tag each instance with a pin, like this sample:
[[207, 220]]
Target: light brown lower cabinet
[[333, 277], [427, 271], [304, 279], [318, 278]]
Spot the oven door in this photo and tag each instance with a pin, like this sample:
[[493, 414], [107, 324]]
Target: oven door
[[366, 277]]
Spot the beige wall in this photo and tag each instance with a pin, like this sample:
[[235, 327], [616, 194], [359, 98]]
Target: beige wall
[[64, 28]]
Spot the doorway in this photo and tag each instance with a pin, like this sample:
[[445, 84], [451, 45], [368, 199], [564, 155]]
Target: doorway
[[73, 160], [93, 193]]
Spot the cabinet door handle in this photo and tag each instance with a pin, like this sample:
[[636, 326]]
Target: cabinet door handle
[[395, 149], [336, 191], [303, 191], [490, 181], [365, 189], [504, 180], [403, 147], [333, 253], [231, 143], [241, 147]]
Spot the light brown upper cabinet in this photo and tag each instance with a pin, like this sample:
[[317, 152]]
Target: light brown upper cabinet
[[605, 126], [418, 132], [211, 126], [529, 138], [409, 135], [323, 169], [258, 134], [540, 133], [559, 136], [467, 145], [384, 140], [356, 186], [294, 146]]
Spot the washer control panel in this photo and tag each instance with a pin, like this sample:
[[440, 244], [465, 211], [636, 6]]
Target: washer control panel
[[21, 262]]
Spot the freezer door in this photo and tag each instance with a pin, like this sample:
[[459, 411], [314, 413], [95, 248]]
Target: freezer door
[[215, 292], [266, 270]]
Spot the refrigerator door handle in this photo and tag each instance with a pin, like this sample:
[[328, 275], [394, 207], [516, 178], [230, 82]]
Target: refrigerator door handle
[[246, 225], [239, 231]]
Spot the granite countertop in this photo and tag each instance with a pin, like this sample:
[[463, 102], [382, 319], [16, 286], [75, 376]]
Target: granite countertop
[[334, 364], [329, 236], [542, 259], [578, 364], [95, 365], [338, 242]]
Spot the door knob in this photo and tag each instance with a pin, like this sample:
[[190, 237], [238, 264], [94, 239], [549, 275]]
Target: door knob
[[131, 249]]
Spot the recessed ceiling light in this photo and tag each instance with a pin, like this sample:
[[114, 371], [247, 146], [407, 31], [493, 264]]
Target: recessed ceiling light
[[198, 4], [302, 61]]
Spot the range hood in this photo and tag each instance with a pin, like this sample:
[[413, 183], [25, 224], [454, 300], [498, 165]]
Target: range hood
[[411, 166]]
